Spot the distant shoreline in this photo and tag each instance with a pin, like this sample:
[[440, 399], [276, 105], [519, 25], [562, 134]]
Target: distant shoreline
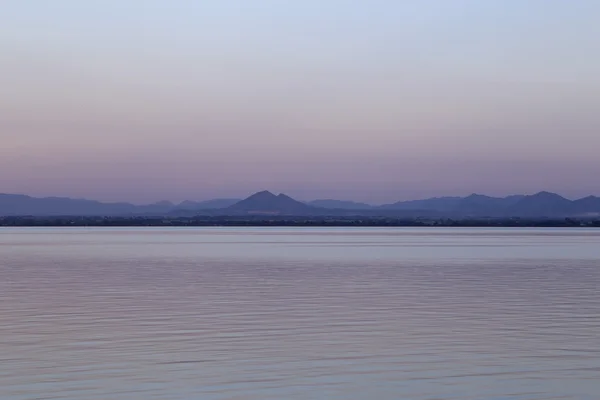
[[290, 221]]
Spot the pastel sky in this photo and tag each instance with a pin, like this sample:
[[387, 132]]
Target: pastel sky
[[377, 100]]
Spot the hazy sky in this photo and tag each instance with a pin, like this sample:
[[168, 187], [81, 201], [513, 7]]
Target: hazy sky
[[376, 100]]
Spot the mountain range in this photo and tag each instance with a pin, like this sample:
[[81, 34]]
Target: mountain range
[[542, 204]]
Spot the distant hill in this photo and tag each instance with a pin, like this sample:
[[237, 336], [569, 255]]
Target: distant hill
[[207, 204], [587, 206], [158, 208], [16, 204], [340, 204], [481, 205], [266, 202], [434, 203], [474, 205], [542, 204]]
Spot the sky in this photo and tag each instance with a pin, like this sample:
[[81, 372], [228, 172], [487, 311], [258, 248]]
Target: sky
[[377, 101]]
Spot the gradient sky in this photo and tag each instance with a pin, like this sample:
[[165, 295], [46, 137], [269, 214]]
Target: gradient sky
[[376, 100]]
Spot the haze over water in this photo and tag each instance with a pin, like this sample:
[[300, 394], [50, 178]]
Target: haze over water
[[267, 313]]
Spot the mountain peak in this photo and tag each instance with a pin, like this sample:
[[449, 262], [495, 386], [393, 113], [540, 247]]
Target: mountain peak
[[263, 193], [542, 204], [588, 204], [265, 202], [548, 195]]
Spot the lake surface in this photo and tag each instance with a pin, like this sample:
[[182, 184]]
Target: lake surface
[[296, 313]]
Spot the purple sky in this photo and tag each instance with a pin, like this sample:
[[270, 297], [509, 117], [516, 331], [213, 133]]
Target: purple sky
[[372, 101]]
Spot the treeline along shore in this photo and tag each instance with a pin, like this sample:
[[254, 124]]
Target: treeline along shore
[[282, 221]]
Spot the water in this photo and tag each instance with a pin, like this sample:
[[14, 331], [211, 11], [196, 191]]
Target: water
[[273, 313]]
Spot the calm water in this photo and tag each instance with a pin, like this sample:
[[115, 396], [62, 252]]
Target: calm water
[[299, 314]]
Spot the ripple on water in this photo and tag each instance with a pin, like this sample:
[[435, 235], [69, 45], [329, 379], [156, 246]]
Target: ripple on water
[[249, 314]]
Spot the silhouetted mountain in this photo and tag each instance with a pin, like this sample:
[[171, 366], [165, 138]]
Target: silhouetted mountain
[[15, 204], [339, 204], [481, 205], [477, 204], [587, 206], [163, 204], [514, 199], [266, 202], [434, 203], [207, 204], [160, 207], [542, 204]]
